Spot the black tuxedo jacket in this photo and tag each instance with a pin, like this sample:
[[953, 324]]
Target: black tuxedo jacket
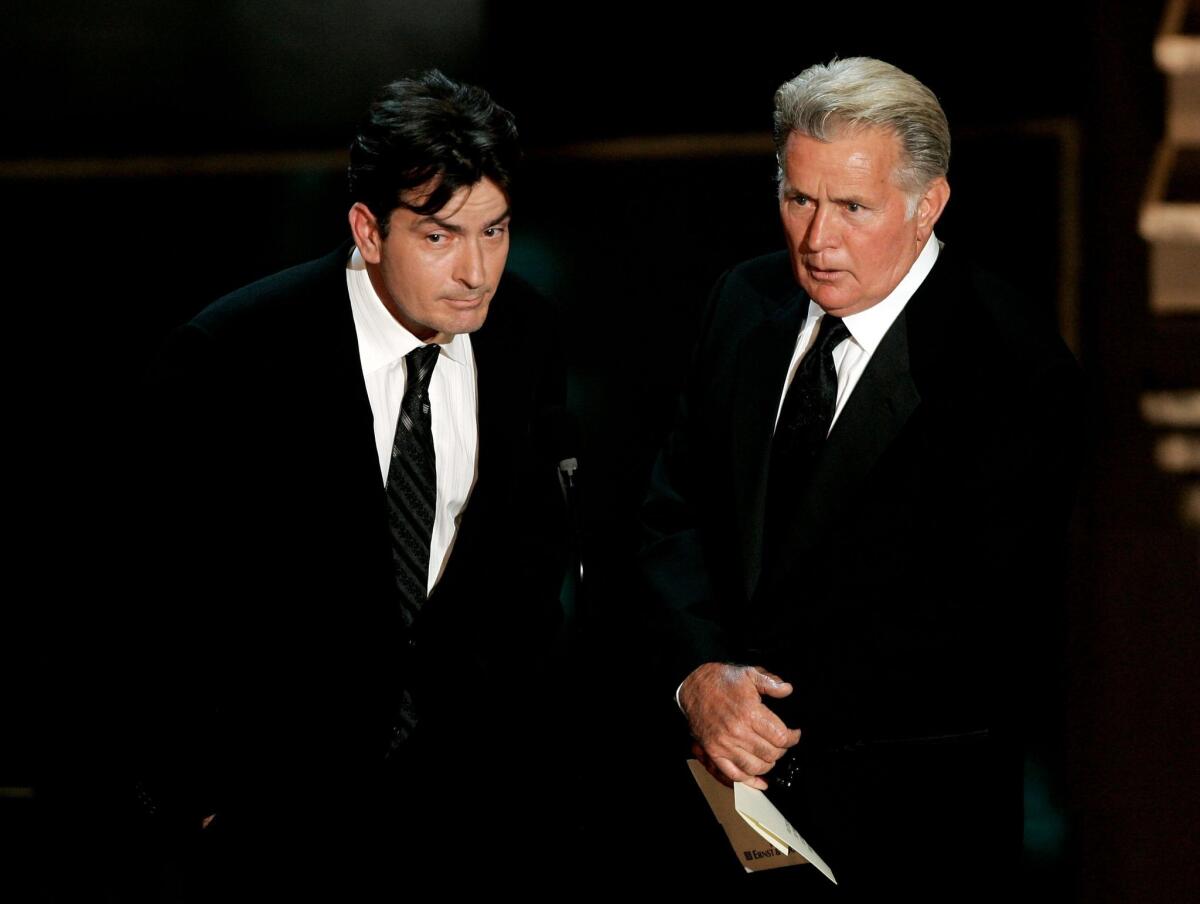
[[900, 599], [278, 652]]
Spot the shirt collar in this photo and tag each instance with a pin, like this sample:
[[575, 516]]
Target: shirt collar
[[382, 340], [867, 328]]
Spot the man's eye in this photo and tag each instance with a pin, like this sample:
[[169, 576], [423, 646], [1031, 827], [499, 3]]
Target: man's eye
[[494, 231], [802, 200], [435, 238], [853, 207]]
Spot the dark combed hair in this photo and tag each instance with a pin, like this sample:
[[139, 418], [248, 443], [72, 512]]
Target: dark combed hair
[[428, 129]]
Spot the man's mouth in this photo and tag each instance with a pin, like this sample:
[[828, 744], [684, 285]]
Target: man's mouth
[[822, 275]]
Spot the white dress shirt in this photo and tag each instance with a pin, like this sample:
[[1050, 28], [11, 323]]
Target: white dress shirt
[[867, 329], [454, 412]]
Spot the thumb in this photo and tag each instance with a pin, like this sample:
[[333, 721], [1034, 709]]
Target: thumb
[[770, 685]]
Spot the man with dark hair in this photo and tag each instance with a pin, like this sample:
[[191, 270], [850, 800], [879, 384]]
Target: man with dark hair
[[357, 525], [861, 512], [446, 136]]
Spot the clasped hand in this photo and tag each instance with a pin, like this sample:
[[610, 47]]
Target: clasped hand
[[737, 738]]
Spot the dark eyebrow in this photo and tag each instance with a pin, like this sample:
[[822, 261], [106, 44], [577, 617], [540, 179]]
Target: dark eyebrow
[[458, 230], [440, 224]]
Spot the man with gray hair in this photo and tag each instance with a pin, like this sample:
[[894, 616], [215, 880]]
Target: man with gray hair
[[861, 509]]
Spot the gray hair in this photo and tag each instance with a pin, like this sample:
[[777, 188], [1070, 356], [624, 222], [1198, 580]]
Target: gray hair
[[862, 92]]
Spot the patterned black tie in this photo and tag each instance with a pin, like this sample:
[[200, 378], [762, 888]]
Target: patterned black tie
[[804, 423], [412, 484], [412, 502]]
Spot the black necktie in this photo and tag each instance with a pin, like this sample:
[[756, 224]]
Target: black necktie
[[412, 503], [412, 485], [804, 422]]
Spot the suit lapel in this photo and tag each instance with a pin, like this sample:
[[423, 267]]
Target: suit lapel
[[875, 413], [488, 436], [349, 409], [762, 367], [496, 380], [881, 405], [486, 391], [337, 421]]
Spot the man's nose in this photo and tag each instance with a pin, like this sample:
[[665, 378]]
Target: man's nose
[[470, 269], [822, 229]]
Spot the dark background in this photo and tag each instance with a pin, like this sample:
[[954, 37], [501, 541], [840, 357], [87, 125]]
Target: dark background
[[158, 154]]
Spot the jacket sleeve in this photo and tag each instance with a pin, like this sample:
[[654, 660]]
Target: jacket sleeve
[[682, 598]]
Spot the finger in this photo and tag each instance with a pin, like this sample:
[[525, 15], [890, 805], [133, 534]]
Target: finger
[[749, 750], [769, 684], [756, 745], [716, 773], [733, 772], [736, 752], [770, 676], [706, 761], [745, 760], [772, 733], [758, 733]]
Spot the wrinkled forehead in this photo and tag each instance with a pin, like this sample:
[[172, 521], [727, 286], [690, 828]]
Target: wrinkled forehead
[[881, 144]]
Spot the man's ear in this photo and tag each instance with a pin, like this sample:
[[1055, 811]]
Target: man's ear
[[365, 229], [931, 205]]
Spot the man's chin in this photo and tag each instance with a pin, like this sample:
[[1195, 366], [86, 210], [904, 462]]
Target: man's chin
[[463, 322], [827, 296]]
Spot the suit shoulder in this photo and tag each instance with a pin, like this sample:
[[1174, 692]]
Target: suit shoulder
[[1003, 323], [518, 292], [518, 307], [747, 294], [769, 277], [281, 294], [1019, 325]]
